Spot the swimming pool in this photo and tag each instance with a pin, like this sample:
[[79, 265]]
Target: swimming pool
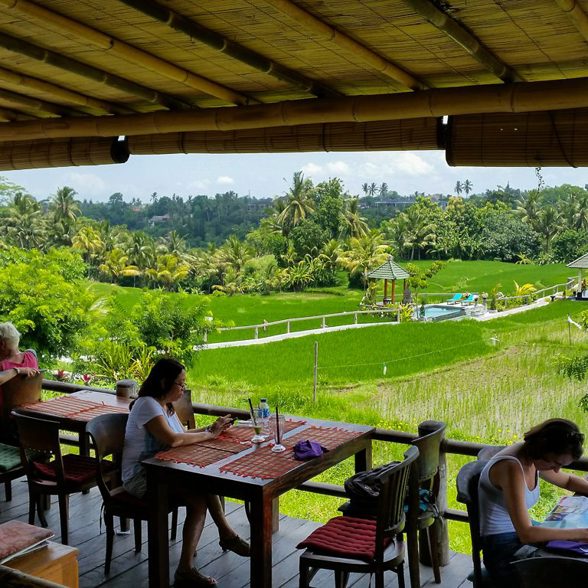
[[441, 313]]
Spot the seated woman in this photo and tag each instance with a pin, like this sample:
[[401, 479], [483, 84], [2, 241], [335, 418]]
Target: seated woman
[[13, 364], [509, 487], [153, 426]]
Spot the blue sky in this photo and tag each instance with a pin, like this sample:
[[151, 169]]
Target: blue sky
[[268, 175]]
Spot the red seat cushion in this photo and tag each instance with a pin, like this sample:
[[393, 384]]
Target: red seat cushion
[[345, 537], [78, 469]]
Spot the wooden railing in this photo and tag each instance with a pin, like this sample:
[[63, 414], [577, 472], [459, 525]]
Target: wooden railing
[[448, 447]]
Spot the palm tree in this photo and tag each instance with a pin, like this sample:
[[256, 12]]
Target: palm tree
[[24, 225], [65, 210], [364, 253], [528, 208], [383, 189], [373, 189], [235, 253], [547, 225], [169, 270], [353, 225], [412, 231], [89, 242], [116, 265], [458, 187], [467, 187], [174, 242], [366, 188], [299, 202]]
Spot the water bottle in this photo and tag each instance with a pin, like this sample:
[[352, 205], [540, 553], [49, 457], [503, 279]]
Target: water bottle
[[264, 413]]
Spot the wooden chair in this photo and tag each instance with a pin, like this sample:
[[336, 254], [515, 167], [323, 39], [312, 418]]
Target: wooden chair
[[11, 467], [423, 513], [467, 493], [106, 434], [184, 409], [366, 546], [48, 472], [19, 390], [547, 572]]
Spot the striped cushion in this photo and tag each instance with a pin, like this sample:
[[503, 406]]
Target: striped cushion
[[344, 537], [9, 457]]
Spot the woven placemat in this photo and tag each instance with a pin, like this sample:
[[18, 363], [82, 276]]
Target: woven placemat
[[100, 409], [243, 434], [195, 455], [264, 463], [64, 406]]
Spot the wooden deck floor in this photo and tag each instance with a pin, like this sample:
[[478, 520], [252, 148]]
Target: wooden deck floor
[[231, 571]]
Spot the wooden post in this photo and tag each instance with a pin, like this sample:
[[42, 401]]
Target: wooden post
[[324, 324], [425, 428], [315, 383], [256, 336], [393, 290], [385, 290], [288, 327], [355, 318]]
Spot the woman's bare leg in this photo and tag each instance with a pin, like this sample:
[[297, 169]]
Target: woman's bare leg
[[193, 525], [217, 513]]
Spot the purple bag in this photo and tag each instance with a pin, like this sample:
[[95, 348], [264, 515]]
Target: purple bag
[[568, 547], [304, 450]]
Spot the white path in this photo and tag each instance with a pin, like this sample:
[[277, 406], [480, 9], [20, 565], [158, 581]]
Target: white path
[[272, 339]]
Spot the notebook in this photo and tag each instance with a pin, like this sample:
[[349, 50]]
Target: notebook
[[18, 538]]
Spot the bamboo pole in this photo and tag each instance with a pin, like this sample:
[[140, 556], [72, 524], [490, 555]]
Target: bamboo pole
[[39, 107], [455, 31], [124, 50], [576, 14], [87, 71], [230, 48], [516, 97], [310, 23], [83, 103]]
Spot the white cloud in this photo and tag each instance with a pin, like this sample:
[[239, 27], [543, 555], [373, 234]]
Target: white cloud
[[198, 184], [86, 185], [312, 169], [338, 167], [381, 166], [225, 180]]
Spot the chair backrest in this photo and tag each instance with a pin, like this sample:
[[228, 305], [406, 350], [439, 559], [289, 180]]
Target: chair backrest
[[184, 410], [467, 493], [38, 436], [391, 517], [107, 435], [546, 572], [429, 445], [18, 390]]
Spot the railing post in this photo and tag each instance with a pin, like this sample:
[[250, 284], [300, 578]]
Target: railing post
[[442, 546], [288, 327], [355, 318], [256, 336], [205, 338], [324, 322]]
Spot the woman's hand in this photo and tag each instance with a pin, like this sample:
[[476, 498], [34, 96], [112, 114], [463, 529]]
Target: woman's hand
[[220, 425], [28, 372]]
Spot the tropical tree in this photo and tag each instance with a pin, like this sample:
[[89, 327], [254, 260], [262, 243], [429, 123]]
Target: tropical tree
[[234, 253], [116, 266], [364, 253], [366, 188], [23, 223], [169, 271], [467, 187], [383, 189], [353, 224], [547, 225], [373, 189], [89, 242], [458, 187], [65, 211], [298, 202]]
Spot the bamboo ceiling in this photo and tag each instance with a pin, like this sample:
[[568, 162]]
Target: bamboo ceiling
[[291, 75]]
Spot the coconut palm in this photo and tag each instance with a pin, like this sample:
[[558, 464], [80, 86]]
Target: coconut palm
[[528, 208], [383, 189], [23, 223], [547, 225], [116, 265], [234, 253], [353, 224], [174, 242], [373, 189], [364, 253], [65, 211], [467, 187], [169, 270], [458, 187], [298, 202], [89, 242], [366, 188]]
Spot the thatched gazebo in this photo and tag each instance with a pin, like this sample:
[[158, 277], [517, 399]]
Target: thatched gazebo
[[389, 271], [581, 264], [97, 81]]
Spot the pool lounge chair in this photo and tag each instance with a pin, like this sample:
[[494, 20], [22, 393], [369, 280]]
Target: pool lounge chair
[[471, 299], [456, 298]]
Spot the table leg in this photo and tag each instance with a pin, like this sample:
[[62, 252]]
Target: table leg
[[84, 450], [363, 459], [157, 497], [261, 542]]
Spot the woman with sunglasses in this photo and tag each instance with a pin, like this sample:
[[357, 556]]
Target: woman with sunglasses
[[509, 487], [154, 426]]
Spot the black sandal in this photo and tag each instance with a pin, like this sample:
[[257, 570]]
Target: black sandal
[[193, 577], [236, 545]]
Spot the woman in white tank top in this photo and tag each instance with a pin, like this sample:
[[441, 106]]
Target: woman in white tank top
[[509, 486]]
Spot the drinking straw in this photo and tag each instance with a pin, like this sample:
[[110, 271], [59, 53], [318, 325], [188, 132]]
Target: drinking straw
[[252, 413], [278, 426]]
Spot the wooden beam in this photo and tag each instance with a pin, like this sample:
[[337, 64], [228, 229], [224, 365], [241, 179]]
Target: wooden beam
[[38, 107], [517, 97], [238, 52], [462, 36], [576, 14], [125, 51], [82, 103], [87, 71], [329, 34]]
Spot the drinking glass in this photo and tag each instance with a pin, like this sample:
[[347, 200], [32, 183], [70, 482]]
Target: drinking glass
[[279, 430], [259, 437]]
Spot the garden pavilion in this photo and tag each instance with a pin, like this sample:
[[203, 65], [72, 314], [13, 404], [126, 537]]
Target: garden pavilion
[[389, 271], [93, 82], [580, 264]]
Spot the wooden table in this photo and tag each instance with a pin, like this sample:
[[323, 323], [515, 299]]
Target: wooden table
[[57, 563], [77, 422], [259, 492]]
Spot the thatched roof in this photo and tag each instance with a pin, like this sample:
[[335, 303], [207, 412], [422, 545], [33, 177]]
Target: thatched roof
[[580, 263], [294, 75], [389, 270]]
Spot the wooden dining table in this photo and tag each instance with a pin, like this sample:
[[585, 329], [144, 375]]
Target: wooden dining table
[[253, 473]]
